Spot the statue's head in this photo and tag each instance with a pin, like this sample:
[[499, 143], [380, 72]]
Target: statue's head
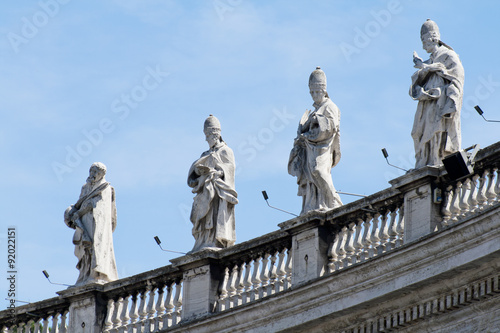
[[96, 172], [212, 130], [429, 34], [317, 85]]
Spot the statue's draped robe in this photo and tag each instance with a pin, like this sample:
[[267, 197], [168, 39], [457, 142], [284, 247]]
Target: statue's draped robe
[[436, 128], [212, 214], [312, 159], [93, 236]]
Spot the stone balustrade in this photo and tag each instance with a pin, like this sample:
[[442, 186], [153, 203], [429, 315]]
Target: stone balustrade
[[148, 302], [149, 310], [305, 250], [471, 195], [46, 316], [255, 277], [367, 236]]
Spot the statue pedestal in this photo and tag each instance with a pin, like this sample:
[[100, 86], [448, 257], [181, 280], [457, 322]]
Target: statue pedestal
[[422, 214], [309, 246], [201, 277], [87, 310]]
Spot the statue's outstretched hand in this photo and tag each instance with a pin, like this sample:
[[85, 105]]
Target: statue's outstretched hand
[[417, 60]]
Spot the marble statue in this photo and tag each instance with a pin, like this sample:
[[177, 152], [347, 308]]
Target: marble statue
[[212, 179], [438, 87], [93, 217], [316, 149]]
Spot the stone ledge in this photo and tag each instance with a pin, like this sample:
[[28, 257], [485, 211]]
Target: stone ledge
[[395, 274]]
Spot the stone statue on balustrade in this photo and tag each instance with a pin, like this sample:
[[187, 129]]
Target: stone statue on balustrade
[[316, 149], [93, 217], [438, 87], [212, 179]]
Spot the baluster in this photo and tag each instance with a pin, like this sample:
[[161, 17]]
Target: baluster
[[384, 234], [20, 326], [178, 303], [473, 193], [280, 286], [490, 192], [332, 254], [464, 198], [455, 205], [341, 252], [246, 282], [224, 291], [481, 196], [151, 311], [46, 325], [30, 323], [64, 326], [366, 238], [264, 275], [497, 185], [116, 314], [55, 322], [358, 242], [375, 240], [349, 245], [272, 274], [38, 324], [160, 310], [108, 322], [447, 201], [288, 268], [133, 313], [400, 229], [232, 287], [169, 306], [256, 279], [391, 230], [240, 287], [142, 311], [124, 315]]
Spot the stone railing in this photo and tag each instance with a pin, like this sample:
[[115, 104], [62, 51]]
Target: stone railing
[[471, 195], [148, 302], [314, 246], [49, 315], [256, 273], [367, 236]]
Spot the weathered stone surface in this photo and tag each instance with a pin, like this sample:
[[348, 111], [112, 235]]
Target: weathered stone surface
[[429, 275], [422, 214], [316, 149], [212, 179], [438, 87], [94, 219]]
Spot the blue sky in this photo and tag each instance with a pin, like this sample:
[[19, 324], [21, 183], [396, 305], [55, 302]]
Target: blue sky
[[130, 83]]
